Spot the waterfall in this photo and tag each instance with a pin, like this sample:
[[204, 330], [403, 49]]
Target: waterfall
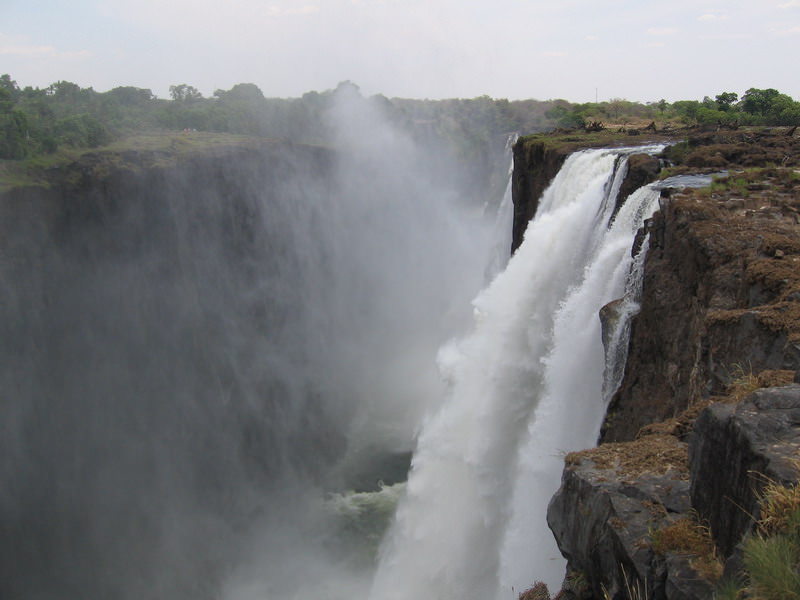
[[525, 386]]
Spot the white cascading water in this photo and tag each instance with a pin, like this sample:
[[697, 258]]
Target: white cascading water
[[523, 388]]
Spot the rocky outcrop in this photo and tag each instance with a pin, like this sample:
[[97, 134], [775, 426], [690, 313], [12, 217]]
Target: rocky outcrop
[[644, 519]]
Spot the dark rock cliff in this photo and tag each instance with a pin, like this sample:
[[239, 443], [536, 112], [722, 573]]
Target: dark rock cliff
[[644, 519]]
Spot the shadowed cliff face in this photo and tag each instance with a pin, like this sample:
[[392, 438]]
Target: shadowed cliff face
[[193, 347]]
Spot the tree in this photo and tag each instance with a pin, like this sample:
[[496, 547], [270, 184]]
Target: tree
[[243, 92], [13, 128], [9, 85], [566, 118], [130, 96], [184, 93], [759, 102], [687, 109], [64, 91], [784, 111], [6, 101], [726, 100]]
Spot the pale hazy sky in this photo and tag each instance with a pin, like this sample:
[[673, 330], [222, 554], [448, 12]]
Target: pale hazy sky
[[635, 49]]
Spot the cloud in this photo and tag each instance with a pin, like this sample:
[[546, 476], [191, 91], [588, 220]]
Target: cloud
[[554, 53], [790, 31], [790, 4], [19, 47]]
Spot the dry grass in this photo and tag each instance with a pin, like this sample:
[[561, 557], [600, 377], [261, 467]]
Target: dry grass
[[771, 562], [686, 536], [655, 454], [636, 590], [780, 509], [679, 426], [743, 382], [538, 591], [772, 555]]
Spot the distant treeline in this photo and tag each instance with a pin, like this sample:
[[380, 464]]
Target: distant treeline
[[35, 121], [755, 107]]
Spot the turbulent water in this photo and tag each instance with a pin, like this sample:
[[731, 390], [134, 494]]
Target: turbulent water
[[525, 386]]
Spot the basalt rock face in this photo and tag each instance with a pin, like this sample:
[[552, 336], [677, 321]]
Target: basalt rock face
[[642, 169], [628, 515]]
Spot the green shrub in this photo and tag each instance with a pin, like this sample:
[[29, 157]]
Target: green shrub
[[771, 562], [771, 556]]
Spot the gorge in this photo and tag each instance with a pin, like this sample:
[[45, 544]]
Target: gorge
[[216, 362]]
